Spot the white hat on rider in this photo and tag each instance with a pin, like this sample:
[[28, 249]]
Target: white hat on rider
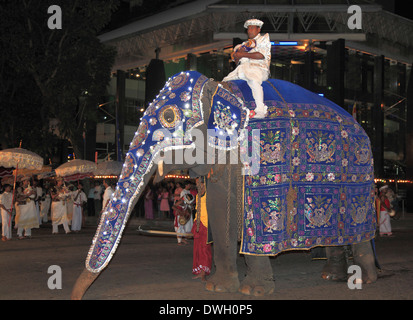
[[253, 22]]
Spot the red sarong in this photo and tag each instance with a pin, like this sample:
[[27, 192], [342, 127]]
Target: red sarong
[[202, 259]]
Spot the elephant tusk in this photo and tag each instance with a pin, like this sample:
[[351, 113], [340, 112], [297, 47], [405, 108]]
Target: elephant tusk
[[160, 168]]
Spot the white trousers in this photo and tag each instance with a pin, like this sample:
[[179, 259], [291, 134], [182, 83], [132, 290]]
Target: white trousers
[[385, 225], [5, 224], [77, 218], [38, 212], [254, 77], [27, 232], [55, 227]]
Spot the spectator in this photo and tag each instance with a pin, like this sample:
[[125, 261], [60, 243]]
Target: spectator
[[385, 207], [202, 257], [6, 212], [97, 196], [164, 205], [79, 199], [149, 203]]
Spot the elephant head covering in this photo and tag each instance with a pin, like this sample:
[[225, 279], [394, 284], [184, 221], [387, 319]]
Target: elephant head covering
[[166, 124]]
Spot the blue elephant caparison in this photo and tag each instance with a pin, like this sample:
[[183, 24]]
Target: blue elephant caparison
[[315, 184]]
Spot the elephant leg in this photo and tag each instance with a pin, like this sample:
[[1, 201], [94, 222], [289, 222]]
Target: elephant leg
[[363, 256], [224, 233], [259, 280], [336, 266]]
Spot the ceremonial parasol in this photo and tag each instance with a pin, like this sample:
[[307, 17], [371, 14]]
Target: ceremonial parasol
[[20, 158], [31, 172], [76, 169], [109, 168]]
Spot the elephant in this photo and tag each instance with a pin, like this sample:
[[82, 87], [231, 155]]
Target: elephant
[[300, 178]]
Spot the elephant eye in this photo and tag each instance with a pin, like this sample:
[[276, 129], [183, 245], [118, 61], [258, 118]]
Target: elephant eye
[[169, 116]]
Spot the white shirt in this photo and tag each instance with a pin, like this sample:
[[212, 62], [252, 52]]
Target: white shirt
[[97, 192], [80, 198], [184, 192], [6, 199], [39, 192], [263, 46], [107, 195]]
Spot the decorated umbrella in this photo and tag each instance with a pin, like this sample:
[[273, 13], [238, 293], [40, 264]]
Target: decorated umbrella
[[20, 158], [76, 169], [31, 172], [109, 168]]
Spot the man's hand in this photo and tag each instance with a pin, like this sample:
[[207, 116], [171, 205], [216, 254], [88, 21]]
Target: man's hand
[[250, 55]]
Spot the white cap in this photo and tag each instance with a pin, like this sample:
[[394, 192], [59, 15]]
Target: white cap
[[383, 187], [253, 22]]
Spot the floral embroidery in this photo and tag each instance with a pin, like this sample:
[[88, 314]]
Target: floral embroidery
[[328, 161], [185, 96]]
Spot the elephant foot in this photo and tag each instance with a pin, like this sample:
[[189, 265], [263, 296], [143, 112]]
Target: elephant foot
[[333, 275], [256, 287], [336, 266], [363, 256], [221, 284]]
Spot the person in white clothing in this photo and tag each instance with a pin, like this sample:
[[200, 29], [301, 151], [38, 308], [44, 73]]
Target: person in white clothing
[[97, 191], [107, 195], [39, 193], [185, 202], [26, 217], [6, 199], [59, 207], [79, 199], [45, 203], [253, 58]]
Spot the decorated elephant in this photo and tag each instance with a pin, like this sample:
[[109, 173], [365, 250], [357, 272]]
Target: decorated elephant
[[299, 178]]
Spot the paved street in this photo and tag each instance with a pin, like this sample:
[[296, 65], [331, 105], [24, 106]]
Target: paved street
[[156, 268]]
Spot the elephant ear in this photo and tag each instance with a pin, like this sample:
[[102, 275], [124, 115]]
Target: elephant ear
[[227, 121]]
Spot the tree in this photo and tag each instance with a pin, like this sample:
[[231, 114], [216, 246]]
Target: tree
[[62, 72]]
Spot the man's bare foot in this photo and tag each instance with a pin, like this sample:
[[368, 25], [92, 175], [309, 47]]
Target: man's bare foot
[[201, 275]]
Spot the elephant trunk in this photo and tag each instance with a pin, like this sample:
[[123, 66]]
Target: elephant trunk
[[161, 129], [84, 281], [112, 223]]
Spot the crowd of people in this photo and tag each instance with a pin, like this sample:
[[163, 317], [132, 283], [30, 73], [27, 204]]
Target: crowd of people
[[34, 203], [65, 204]]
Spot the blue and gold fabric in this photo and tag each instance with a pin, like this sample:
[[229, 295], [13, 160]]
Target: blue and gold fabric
[[315, 184], [166, 124]]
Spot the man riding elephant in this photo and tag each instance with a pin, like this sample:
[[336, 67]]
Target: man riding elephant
[[253, 58]]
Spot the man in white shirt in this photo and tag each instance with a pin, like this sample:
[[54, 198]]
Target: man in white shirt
[[107, 195], [79, 199], [6, 210], [97, 198], [253, 58], [39, 194]]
